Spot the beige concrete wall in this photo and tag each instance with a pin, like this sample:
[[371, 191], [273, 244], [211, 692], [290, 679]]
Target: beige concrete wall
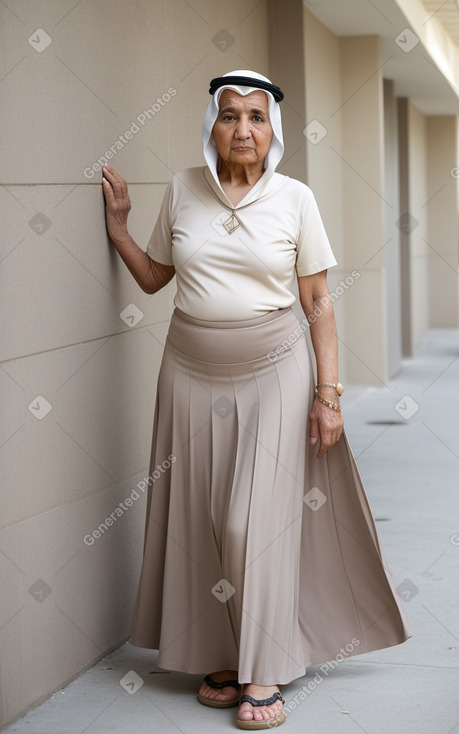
[[417, 208], [442, 226], [362, 156], [323, 107], [286, 54], [345, 165], [77, 380], [391, 231], [429, 191], [404, 224], [323, 140]]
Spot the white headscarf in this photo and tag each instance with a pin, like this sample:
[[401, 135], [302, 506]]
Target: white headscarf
[[276, 149]]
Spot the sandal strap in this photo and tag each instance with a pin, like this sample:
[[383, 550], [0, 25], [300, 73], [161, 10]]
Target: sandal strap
[[245, 698], [222, 684]]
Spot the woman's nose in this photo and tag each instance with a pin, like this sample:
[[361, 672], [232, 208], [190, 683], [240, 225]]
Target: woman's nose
[[243, 129]]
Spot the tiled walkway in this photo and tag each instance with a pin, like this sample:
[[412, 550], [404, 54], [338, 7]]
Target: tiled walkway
[[406, 439]]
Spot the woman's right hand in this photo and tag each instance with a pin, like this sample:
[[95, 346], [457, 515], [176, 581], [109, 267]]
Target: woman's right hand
[[150, 275], [118, 203]]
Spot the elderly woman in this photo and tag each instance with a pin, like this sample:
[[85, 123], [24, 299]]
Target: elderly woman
[[261, 554]]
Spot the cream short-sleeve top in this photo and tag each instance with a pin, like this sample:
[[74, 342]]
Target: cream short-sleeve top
[[247, 271]]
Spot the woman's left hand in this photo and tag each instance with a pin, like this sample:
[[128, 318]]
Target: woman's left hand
[[326, 427]]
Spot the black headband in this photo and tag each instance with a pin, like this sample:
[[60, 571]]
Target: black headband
[[246, 81]]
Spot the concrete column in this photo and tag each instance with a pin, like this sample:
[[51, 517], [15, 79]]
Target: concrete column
[[323, 139], [391, 231], [345, 169], [405, 271], [286, 69], [413, 225], [418, 200], [442, 225], [364, 202]]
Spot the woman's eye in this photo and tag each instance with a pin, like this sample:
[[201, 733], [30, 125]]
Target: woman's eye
[[228, 117]]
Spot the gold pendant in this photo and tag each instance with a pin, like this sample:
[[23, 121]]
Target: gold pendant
[[232, 223]]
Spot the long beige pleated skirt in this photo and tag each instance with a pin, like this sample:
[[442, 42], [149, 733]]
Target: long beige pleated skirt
[[258, 557]]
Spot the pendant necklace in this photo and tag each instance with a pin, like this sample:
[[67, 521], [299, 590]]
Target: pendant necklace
[[232, 223]]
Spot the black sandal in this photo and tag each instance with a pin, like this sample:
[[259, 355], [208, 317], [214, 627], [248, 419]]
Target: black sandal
[[223, 684], [263, 723]]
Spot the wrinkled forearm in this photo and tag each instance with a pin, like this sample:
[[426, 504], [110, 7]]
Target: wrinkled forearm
[[325, 340], [140, 265]]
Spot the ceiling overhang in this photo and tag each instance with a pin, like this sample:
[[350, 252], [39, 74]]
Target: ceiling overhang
[[417, 48]]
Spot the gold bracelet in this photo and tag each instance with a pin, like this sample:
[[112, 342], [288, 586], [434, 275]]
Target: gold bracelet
[[337, 385], [333, 406]]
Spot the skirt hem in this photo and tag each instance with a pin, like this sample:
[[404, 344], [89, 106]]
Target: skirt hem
[[317, 660]]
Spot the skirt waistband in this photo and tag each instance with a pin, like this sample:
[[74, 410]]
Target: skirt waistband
[[232, 324], [268, 337]]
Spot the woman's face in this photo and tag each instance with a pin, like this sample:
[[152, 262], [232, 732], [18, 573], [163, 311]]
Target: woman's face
[[242, 131]]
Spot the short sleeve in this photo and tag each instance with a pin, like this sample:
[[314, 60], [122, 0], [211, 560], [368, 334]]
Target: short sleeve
[[314, 252], [159, 246]]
